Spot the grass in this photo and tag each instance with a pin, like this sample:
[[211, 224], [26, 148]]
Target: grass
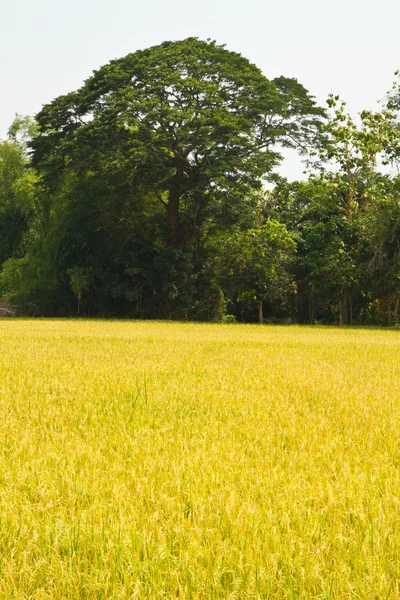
[[159, 460]]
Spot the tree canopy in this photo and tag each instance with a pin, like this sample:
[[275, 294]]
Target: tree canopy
[[189, 122]]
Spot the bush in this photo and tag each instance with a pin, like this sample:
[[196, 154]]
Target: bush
[[228, 319]]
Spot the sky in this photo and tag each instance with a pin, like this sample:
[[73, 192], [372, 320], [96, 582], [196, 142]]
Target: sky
[[345, 47]]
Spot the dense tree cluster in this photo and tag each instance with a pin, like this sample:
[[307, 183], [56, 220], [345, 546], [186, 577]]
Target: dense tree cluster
[[143, 194]]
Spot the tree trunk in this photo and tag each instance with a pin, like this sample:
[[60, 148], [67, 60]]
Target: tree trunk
[[345, 306], [396, 308], [364, 314], [311, 311], [174, 196], [341, 308], [260, 313], [173, 218], [389, 301], [351, 308]]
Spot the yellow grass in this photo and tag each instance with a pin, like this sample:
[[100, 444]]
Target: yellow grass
[[156, 460]]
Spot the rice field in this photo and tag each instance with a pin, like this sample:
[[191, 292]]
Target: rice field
[[169, 460]]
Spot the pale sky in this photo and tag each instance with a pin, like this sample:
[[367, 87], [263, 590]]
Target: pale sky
[[348, 47]]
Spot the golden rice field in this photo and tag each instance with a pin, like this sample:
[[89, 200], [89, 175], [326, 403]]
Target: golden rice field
[[160, 460]]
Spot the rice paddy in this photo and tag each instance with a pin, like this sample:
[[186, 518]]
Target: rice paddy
[[169, 460]]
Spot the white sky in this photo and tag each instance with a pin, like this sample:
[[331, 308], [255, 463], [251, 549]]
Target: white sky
[[348, 47]]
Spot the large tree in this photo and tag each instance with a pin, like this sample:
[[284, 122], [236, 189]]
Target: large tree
[[189, 123]]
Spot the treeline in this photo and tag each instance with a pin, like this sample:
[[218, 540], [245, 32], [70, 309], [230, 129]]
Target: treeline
[[143, 194]]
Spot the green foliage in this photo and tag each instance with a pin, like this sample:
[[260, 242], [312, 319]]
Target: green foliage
[[144, 168], [229, 319], [22, 130], [17, 198], [30, 288], [80, 281], [143, 194], [189, 122], [251, 265]]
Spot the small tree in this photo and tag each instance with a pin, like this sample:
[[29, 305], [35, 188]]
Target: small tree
[[79, 278], [251, 265]]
